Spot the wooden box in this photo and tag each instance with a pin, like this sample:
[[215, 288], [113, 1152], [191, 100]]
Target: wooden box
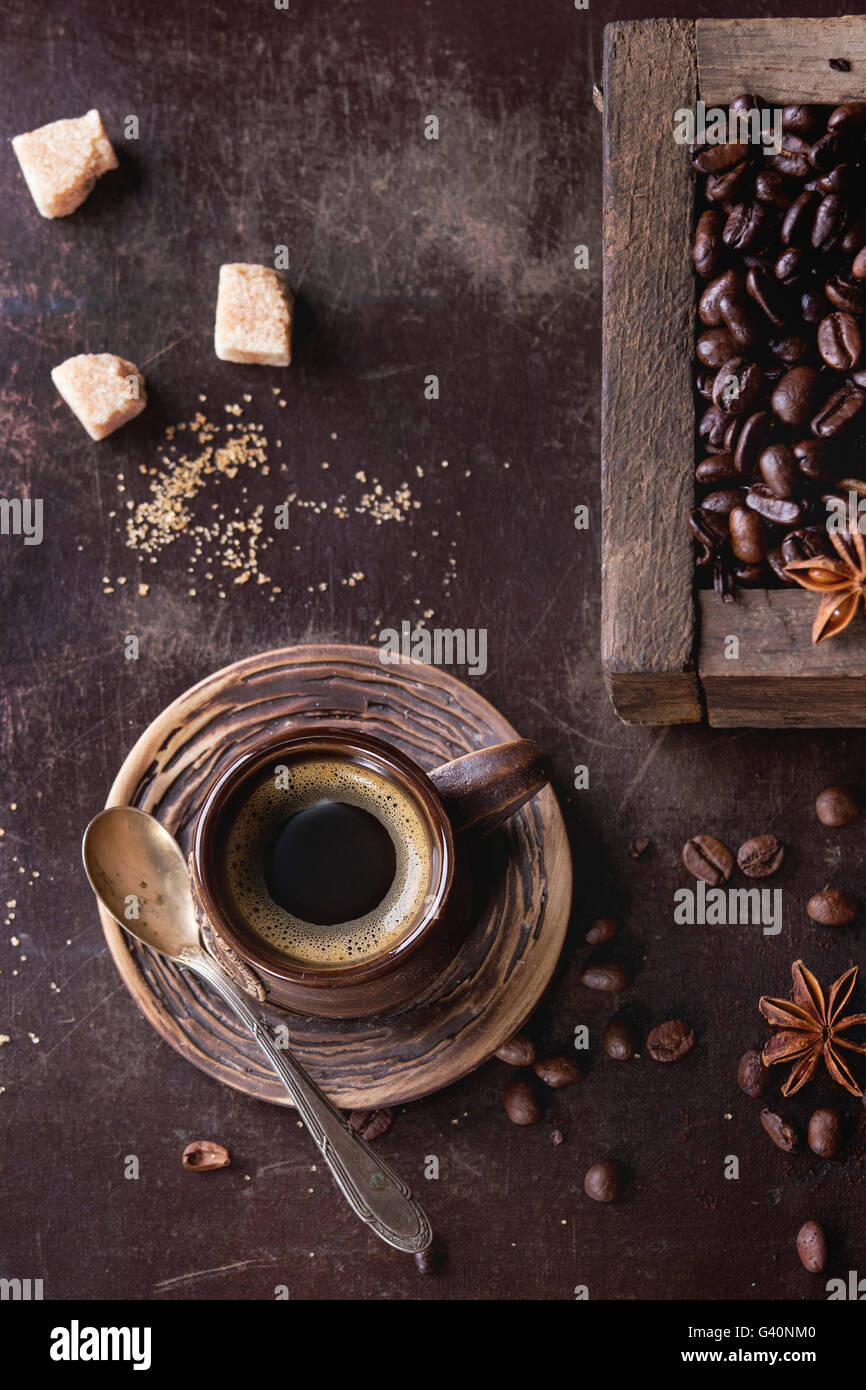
[[663, 644]]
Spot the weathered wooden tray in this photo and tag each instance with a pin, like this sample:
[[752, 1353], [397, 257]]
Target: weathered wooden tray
[[522, 877], [663, 645]]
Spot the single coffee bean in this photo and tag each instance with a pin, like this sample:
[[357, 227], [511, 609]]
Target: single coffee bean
[[609, 976], [725, 187], [837, 806], [519, 1051], [670, 1041], [792, 350], [521, 1103], [848, 119], [839, 341], [855, 236], [728, 283], [814, 460], [618, 1041], [426, 1261], [723, 502], [858, 269], [842, 179], [736, 385], [712, 426], [713, 159], [781, 511], [753, 434], [839, 412], [706, 857], [793, 161], [741, 105], [826, 152], [812, 1247], [753, 1077], [845, 293], [791, 266], [858, 378], [746, 227], [801, 118], [770, 188], [814, 305], [715, 347], [716, 470], [202, 1156], [807, 544], [603, 929], [557, 1072], [830, 218], [708, 250], [799, 219], [761, 856], [778, 468], [795, 396], [602, 1182], [371, 1124], [832, 908], [739, 320], [765, 290], [748, 535], [783, 1134], [825, 1132], [753, 576]]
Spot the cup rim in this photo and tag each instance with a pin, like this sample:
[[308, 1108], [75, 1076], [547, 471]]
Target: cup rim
[[318, 737]]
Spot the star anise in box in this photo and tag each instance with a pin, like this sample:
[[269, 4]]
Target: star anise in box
[[841, 581], [810, 1027]]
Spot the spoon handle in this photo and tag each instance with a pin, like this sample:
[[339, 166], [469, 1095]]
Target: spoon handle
[[373, 1190]]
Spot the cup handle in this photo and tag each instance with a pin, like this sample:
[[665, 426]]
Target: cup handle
[[481, 790]]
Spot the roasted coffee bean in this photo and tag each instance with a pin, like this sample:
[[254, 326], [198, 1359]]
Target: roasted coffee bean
[[766, 292], [746, 227], [793, 159], [753, 576], [814, 305], [618, 1041], [519, 1051], [710, 530], [837, 806], [712, 426], [848, 119], [202, 1156], [521, 1103], [814, 459], [800, 118], [668, 1042], [855, 237], [725, 187], [713, 159], [752, 436], [736, 385], [845, 293], [792, 350], [778, 468], [809, 543], [603, 928], [839, 413], [781, 511], [748, 535], [723, 501], [707, 252], [858, 269], [812, 1247], [829, 224], [753, 1077], [839, 341], [826, 152], [770, 188], [783, 1134], [728, 283], [557, 1072], [761, 856], [371, 1124], [858, 378], [825, 1132], [706, 857], [716, 470], [839, 180], [608, 976], [833, 907], [795, 396], [791, 266], [603, 1182], [799, 219], [715, 347], [739, 320], [704, 383], [741, 105], [427, 1261]]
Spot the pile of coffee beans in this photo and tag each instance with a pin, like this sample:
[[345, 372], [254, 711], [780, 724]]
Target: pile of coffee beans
[[780, 245]]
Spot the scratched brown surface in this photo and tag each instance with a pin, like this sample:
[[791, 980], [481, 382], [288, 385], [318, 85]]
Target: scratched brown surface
[[306, 128]]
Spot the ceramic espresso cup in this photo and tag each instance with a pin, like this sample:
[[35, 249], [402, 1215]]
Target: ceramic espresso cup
[[331, 873]]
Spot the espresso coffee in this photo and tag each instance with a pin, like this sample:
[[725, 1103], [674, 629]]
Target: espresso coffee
[[328, 860]]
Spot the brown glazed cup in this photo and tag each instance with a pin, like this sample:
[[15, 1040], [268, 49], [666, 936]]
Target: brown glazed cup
[[470, 795]]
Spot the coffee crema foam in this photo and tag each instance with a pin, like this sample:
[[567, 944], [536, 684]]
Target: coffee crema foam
[[303, 784]]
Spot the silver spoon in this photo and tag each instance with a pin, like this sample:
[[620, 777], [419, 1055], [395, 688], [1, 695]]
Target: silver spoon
[[125, 849]]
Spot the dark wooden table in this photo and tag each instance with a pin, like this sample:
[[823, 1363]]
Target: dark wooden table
[[260, 127]]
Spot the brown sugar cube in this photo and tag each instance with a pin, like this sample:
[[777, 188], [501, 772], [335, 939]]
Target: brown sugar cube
[[103, 390], [62, 161], [253, 316]]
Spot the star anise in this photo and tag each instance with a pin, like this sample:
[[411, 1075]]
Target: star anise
[[842, 582], [809, 1029]]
